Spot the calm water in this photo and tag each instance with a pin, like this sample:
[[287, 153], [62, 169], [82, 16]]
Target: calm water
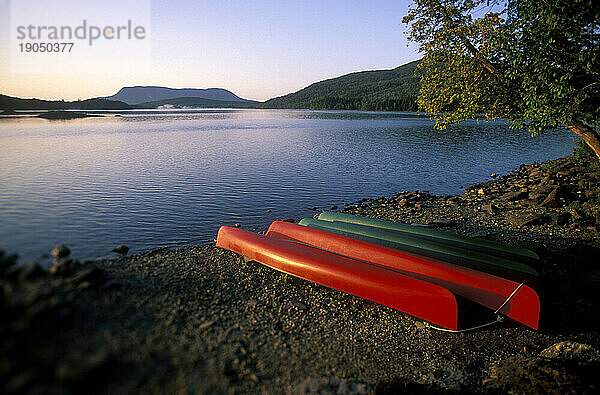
[[171, 179]]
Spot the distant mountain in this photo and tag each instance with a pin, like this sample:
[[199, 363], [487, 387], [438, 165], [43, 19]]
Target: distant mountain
[[15, 103], [198, 102], [143, 94], [378, 90]]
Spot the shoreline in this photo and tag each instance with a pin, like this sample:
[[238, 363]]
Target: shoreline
[[197, 319]]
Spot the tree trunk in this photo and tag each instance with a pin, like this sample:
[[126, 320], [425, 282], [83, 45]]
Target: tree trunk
[[589, 135]]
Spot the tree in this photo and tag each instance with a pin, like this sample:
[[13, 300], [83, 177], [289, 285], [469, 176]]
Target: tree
[[533, 62]]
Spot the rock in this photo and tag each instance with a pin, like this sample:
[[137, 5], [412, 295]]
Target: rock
[[490, 208], [91, 274], [79, 367], [7, 261], [537, 197], [553, 198], [514, 196], [60, 251], [237, 225], [571, 351], [403, 203], [24, 272], [494, 175], [332, 386], [441, 224], [526, 375], [64, 266], [122, 249], [290, 220], [298, 305], [528, 219], [334, 207], [312, 208], [206, 324], [481, 192], [560, 218]]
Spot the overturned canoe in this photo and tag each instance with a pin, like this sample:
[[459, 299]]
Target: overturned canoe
[[416, 297], [517, 301], [489, 247], [428, 248]]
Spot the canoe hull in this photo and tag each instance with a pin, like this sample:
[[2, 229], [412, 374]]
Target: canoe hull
[[516, 254], [413, 296], [483, 288], [429, 248]]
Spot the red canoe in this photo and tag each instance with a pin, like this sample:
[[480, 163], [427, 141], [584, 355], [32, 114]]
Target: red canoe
[[486, 289], [419, 298]]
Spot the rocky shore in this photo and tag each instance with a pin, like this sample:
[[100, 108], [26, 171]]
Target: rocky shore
[[200, 320]]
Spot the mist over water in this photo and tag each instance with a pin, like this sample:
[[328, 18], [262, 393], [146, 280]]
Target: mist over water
[[156, 179]]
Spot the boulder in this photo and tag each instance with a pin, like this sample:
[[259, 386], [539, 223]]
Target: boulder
[[60, 251], [571, 351], [528, 219], [123, 249], [514, 196]]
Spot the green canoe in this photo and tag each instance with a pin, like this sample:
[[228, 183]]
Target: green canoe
[[414, 244], [517, 254]]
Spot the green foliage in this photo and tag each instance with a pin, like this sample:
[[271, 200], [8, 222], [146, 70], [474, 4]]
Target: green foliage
[[533, 62], [15, 103], [380, 90], [584, 156]]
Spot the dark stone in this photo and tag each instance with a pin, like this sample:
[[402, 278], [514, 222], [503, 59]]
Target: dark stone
[[312, 208], [441, 224], [452, 199], [64, 266], [77, 368], [490, 208], [24, 272], [7, 261], [331, 386], [560, 218], [553, 198], [528, 219], [537, 197], [494, 175], [91, 274], [539, 375], [403, 203], [122, 249], [571, 351], [60, 251], [334, 207], [514, 196]]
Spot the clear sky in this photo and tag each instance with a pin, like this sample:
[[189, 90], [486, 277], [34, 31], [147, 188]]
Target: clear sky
[[257, 49]]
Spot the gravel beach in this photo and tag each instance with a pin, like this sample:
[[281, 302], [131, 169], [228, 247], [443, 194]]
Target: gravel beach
[[201, 320]]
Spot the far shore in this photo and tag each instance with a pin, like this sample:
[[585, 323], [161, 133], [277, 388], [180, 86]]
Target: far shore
[[202, 320]]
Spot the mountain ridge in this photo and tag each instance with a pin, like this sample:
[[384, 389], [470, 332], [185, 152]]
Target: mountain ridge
[[150, 93]]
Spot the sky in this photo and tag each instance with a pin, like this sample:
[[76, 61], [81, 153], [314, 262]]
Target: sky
[[257, 49]]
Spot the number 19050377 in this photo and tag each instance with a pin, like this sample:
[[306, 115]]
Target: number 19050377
[[46, 47]]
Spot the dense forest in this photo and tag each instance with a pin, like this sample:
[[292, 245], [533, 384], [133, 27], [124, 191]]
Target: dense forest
[[9, 103], [379, 90]]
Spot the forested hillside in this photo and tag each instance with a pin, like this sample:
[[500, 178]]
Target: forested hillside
[[379, 90]]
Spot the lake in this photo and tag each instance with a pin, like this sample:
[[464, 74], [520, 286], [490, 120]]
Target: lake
[[171, 178]]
